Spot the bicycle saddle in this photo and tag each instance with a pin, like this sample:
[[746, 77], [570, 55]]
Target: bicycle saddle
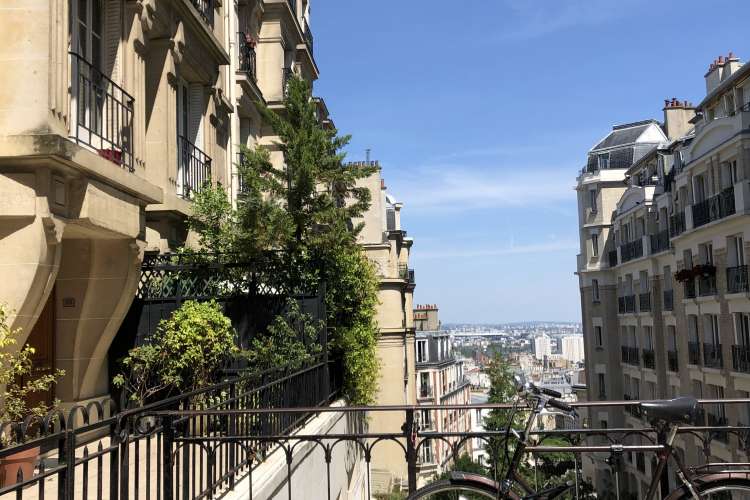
[[672, 411]]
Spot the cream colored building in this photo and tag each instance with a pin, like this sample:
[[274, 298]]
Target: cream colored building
[[680, 202], [388, 247], [114, 112]]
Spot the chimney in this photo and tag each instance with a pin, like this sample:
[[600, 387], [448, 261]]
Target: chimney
[[714, 76], [677, 116], [731, 64]]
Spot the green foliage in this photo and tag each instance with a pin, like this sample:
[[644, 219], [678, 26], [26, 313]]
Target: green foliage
[[213, 219], [291, 341], [185, 353], [19, 378]]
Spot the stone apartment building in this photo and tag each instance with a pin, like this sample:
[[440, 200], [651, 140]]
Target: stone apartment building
[[440, 381], [663, 224], [114, 113]]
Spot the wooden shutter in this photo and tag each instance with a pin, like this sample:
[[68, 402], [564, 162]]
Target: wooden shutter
[[112, 37], [195, 115]]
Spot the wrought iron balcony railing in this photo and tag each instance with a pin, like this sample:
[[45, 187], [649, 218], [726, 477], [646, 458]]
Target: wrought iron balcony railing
[[714, 208], [644, 302], [668, 300], [247, 57], [741, 358], [308, 36], [676, 224], [102, 113], [673, 362], [660, 241], [706, 286], [737, 279], [205, 9], [193, 168], [694, 353], [630, 355], [649, 358], [712, 357], [631, 250]]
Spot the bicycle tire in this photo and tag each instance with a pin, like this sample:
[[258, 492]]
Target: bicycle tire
[[711, 485], [460, 482]]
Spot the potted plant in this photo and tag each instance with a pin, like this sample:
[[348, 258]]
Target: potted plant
[[684, 275], [20, 381]]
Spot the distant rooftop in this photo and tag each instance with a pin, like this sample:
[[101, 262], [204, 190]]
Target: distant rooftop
[[627, 133]]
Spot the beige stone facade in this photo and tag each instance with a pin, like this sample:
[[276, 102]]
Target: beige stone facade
[[388, 247], [114, 112], [681, 203]]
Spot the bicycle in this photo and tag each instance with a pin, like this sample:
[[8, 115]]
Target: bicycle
[[665, 417]]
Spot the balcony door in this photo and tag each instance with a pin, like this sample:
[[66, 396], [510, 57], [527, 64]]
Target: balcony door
[[742, 330], [189, 133]]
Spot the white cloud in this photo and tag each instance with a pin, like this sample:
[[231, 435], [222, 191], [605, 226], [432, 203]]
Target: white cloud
[[533, 248]]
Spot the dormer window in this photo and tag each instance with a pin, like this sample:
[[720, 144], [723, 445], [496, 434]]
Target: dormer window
[[603, 161]]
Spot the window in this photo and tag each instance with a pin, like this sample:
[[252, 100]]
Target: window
[[422, 355], [595, 245], [742, 329], [712, 329], [598, 336], [592, 199], [643, 281], [672, 338], [88, 35], [735, 250], [603, 161], [425, 419], [602, 385], [595, 290], [648, 338]]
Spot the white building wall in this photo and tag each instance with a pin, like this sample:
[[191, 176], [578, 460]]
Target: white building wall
[[572, 348]]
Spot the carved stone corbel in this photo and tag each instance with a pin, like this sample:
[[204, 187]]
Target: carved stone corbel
[[53, 230], [177, 51]]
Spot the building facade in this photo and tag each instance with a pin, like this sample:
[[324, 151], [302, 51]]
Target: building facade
[[542, 347], [663, 279], [572, 348], [122, 110]]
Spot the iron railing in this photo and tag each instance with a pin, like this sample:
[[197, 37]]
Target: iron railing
[[668, 300], [631, 250], [673, 361], [193, 169], [309, 40], [741, 358], [649, 358], [676, 224], [205, 9], [660, 241], [737, 279], [714, 208], [644, 302], [694, 353], [102, 113], [247, 57], [712, 357], [631, 355], [706, 285]]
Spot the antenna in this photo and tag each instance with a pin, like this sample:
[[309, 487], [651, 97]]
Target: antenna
[[367, 155]]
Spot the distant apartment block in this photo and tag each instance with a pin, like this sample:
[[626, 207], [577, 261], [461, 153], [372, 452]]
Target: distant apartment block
[[664, 223], [542, 347], [572, 348]]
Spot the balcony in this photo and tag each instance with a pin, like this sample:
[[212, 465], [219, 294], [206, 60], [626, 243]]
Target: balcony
[[660, 241], [706, 286], [308, 37], [630, 355], [741, 358], [673, 363], [194, 168], [668, 300], [737, 281], [626, 304], [644, 302], [676, 224], [101, 113], [205, 9], [714, 208], [631, 250], [293, 6], [649, 358], [405, 273], [712, 355], [247, 57], [694, 353], [690, 289], [612, 258]]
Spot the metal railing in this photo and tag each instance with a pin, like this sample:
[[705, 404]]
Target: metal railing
[[644, 302], [694, 353], [673, 361], [247, 56], [631, 250], [631, 355], [676, 224], [668, 296], [706, 286], [102, 113], [205, 9], [712, 357], [714, 208], [649, 358], [193, 168], [737, 279], [293, 6], [660, 241], [309, 40], [741, 358]]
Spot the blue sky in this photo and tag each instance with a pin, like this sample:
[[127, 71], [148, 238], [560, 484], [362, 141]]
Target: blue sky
[[481, 112]]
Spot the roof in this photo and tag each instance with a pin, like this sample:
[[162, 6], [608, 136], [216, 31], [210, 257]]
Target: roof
[[726, 84], [624, 134]]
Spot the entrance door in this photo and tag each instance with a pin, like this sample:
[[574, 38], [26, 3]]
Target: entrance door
[[42, 339]]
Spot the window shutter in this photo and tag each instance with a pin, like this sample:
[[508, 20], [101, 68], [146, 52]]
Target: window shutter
[[112, 36], [195, 116]]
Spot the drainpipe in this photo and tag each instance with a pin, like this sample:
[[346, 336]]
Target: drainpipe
[[406, 351]]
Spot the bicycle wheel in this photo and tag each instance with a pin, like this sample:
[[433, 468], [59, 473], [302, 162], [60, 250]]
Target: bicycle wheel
[[459, 485], [718, 488]]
